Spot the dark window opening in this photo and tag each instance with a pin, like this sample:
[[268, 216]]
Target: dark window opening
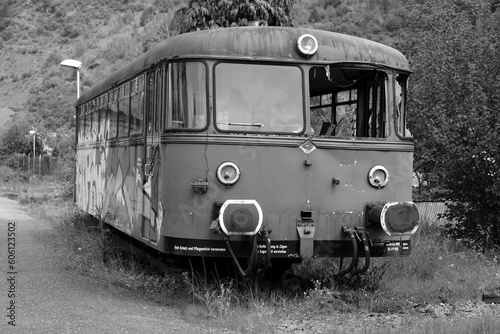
[[347, 102]]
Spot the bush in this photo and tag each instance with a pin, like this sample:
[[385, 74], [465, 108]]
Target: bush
[[7, 173], [52, 59], [457, 129]]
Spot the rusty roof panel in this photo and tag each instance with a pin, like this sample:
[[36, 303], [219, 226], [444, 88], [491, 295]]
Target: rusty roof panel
[[259, 43]]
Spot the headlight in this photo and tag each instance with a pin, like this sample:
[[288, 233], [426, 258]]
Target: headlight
[[378, 176], [240, 217], [228, 173], [307, 45], [395, 218]]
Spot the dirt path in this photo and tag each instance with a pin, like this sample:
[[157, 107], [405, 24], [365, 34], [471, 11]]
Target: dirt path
[[39, 295]]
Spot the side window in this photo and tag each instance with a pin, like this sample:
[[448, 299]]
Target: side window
[[102, 117], [137, 106], [187, 96], [159, 95], [151, 101], [81, 123], [87, 124], [401, 105], [112, 114], [123, 110], [95, 119], [376, 123]]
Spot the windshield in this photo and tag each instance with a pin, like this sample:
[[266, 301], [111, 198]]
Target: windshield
[[258, 98]]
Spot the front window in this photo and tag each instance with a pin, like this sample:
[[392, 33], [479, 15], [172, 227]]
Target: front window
[[187, 96], [347, 102], [258, 98]]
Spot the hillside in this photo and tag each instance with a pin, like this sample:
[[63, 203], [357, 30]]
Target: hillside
[[40, 34], [37, 34], [5, 114]]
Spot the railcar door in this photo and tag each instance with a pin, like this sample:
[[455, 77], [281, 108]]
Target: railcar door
[[152, 211]]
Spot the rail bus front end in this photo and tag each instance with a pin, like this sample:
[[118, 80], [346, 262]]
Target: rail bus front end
[[294, 197]]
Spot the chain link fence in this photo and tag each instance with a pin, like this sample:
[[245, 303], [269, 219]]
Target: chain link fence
[[429, 211]]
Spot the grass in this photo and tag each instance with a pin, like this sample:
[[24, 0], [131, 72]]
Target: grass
[[94, 251], [438, 272]]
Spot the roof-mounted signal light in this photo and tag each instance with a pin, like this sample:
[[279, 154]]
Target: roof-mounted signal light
[[307, 44]]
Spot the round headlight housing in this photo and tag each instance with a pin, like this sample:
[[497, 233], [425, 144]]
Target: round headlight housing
[[240, 217], [307, 44], [378, 176], [228, 173]]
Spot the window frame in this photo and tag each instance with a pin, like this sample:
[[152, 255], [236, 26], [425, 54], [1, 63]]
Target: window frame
[[137, 96], [367, 92], [168, 114], [401, 107], [263, 133]]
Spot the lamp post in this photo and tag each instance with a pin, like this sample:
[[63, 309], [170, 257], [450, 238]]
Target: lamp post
[[33, 133], [76, 65]]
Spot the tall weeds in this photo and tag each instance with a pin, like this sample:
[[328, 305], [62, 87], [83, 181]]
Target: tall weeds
[[437, 271]]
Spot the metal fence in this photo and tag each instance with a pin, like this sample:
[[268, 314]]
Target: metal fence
[[429, 211], [41, 165]]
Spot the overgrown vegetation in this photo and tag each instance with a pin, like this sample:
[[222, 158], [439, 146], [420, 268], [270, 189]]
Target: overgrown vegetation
[[454, 112], [440, 274]]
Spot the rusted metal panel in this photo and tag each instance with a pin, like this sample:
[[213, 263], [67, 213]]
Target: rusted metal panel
[[278, 43], [259, 43]]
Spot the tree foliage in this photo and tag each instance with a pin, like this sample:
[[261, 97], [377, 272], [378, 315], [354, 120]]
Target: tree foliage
[[209, 14], [454, 111], [16, 139]]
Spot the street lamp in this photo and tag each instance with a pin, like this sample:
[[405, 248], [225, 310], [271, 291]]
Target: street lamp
[[33, 133], [76, 65]]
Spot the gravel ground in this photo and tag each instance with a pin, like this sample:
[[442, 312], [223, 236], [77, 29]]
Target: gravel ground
[[51, 299], [359, 322]]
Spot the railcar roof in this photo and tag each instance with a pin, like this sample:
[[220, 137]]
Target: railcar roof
[[258, 43]]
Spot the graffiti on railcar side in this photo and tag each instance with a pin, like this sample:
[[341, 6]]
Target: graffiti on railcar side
[[152, 207], [109, 185]]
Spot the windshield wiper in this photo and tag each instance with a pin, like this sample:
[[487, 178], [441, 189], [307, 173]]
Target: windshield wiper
[[241, 124]]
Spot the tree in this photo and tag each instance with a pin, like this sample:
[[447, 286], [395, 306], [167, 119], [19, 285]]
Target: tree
[[454, 111], [16, 139], [209, 14]]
